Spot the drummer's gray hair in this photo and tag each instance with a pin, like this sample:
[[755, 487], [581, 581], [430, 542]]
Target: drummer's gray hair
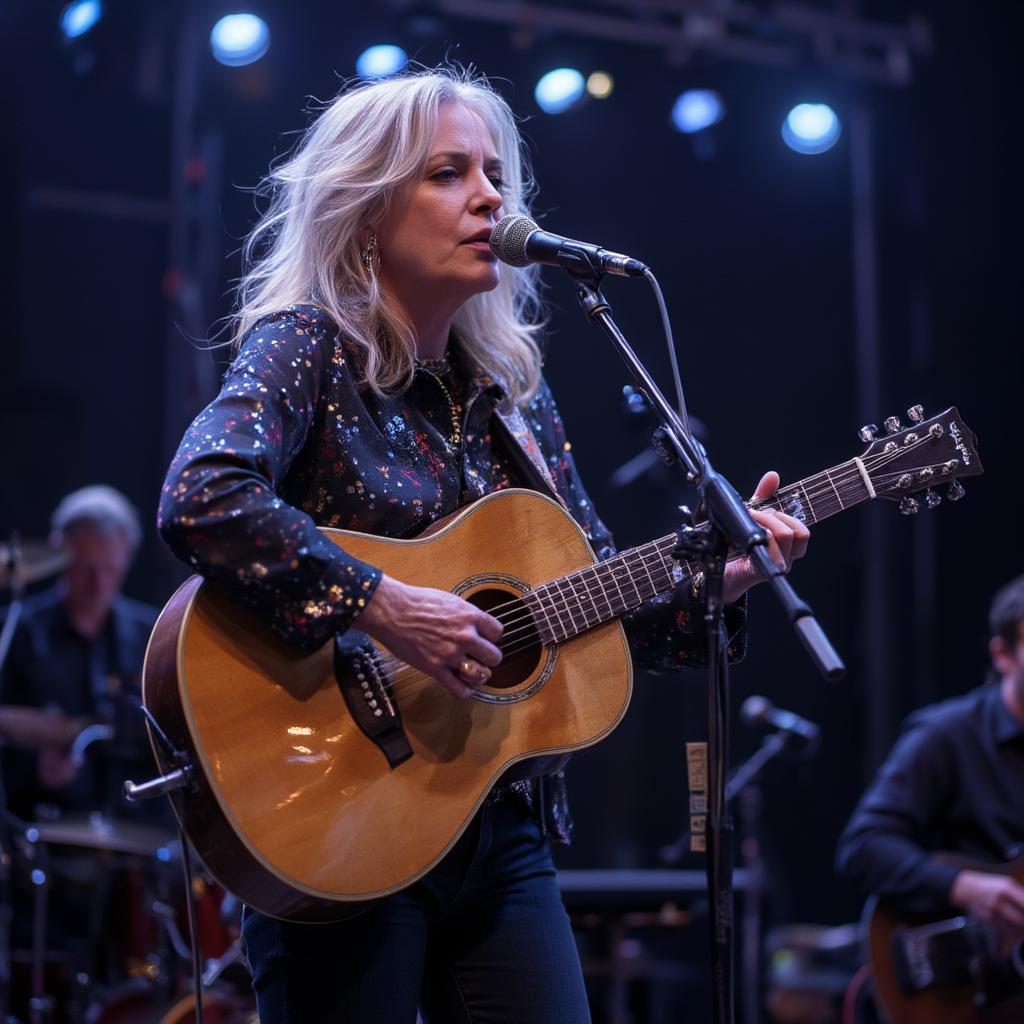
[[99, 508]]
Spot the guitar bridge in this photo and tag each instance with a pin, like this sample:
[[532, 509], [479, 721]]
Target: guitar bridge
[[362, 681]]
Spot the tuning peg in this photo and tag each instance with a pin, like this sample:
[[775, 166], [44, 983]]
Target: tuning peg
[[868, 432], [910, 506], [956, 491], [916, 413], [932, 498], [893, 425]]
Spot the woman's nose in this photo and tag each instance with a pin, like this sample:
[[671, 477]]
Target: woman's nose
[[488, 198]]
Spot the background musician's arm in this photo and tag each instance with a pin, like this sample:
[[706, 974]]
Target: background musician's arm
[[219, 511], [887, 845]]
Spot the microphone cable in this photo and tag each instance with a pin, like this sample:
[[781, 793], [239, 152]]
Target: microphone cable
[[666, 325]]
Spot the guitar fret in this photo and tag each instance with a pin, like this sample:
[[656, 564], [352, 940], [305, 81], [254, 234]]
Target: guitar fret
[[582, 599], [594, 570], [585, 598], [615, 579], [535, 602], [589, 616], [833, 486], [810, 514], [572, 603], [625, 562], [560, 606], [623, 577], [647, 569], [667, 564]]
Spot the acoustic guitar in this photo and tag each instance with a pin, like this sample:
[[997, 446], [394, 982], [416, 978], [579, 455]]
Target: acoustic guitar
[[953, 970], [320, 781]]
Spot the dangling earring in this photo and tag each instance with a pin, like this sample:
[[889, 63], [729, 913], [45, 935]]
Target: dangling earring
[[369, 254]]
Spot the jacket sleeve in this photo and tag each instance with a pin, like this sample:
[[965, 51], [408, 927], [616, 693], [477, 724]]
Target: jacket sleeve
[[666, 632], [883, 845], [219, 510]]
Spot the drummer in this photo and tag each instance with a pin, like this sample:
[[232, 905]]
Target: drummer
[[78, 650]]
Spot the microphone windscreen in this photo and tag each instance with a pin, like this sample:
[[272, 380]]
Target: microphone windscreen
[[508, 239]]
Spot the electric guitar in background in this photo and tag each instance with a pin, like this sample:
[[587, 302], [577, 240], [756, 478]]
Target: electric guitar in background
[[956, 970], [323, 780]]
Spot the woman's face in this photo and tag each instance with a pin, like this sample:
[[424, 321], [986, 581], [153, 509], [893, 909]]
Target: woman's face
[[433, 248]]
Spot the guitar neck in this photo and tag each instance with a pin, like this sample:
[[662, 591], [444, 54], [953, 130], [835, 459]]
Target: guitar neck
[[572, 604]]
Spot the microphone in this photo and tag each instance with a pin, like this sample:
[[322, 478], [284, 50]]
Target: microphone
[[761, 711], [518, 241]]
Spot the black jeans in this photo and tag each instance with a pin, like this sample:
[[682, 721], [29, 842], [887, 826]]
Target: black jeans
[[482, 939]]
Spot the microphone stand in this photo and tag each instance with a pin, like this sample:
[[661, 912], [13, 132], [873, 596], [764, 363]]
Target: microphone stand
[[729, 525]]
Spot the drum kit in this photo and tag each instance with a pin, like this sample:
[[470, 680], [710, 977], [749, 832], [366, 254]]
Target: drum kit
[[97, 904]]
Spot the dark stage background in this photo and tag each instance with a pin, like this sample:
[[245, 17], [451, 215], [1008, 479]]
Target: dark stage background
[[752, 244]]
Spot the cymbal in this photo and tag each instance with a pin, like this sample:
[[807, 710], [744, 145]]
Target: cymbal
[[37, 560], [37, 727], [96, 832]]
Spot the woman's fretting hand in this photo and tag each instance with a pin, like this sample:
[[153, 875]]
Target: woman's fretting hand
[[435, 631], [787, 541]]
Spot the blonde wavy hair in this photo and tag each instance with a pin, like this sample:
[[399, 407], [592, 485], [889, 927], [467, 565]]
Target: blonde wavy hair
[[356, 160]]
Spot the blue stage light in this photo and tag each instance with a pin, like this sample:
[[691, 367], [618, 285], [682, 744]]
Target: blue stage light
[[80, 16], [381, 61], [696, 110], [811, 128], [558, 90], [239, 39]]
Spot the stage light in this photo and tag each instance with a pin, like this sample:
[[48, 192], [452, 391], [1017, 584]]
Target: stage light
[[239, 39], [600, 85], [811, 128], [697, 109], [80, 16], [558, 90], [381, 61]]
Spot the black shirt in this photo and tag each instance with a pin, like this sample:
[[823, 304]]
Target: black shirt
[[953, 782], [52, 665]]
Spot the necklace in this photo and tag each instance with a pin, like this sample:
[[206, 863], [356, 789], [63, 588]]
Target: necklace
[[440, 369]]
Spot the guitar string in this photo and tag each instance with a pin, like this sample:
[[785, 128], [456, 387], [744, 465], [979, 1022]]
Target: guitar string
[[775, 502], [609, 566], [611, 570], [826, 509], [413, 675], [514, 641], [411, 684]]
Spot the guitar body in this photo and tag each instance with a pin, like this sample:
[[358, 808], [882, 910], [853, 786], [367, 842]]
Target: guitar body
[[953, 1004], [295, 809]]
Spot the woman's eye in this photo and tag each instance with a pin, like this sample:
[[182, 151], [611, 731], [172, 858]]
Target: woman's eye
[[448, 174], [498, 183]]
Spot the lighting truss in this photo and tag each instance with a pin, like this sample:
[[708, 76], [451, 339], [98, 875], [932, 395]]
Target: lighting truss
[[785, 35]]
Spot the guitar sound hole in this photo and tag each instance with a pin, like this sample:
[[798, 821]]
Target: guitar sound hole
[[520, 644]]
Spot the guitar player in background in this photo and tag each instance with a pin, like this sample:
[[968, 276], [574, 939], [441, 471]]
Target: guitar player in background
[[954, 784], [388, 373]]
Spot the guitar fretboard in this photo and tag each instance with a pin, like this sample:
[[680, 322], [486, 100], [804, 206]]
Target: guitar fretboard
[[571, 604]]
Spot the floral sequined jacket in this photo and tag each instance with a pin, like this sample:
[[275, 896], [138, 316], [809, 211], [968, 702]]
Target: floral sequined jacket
[[292, 442]]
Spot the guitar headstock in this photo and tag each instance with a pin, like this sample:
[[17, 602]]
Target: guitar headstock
[[928, 453]]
